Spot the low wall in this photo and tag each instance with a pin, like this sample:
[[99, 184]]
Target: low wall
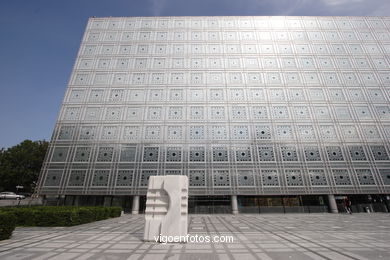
[[24, 202]]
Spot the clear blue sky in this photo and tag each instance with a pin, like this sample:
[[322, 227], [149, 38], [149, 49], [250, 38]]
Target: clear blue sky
[[39, 40]]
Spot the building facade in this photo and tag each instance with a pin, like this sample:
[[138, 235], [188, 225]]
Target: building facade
[[261, 113]]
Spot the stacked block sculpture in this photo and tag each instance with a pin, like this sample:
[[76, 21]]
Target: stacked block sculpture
[[166, 207]]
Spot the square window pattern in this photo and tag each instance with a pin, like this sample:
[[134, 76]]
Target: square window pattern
[[221, 178], [317, 178], [266, 153], [59, 154], [175, 113], [105, 154], [270, 178], [175, 132], [127, 154], [124, 178], [328, 132], [152, 132], [196, 132], [150, 154], [259, 112], [100, 178], [77, 178], [240, 132], [312, 154], [134, 113], [197, 154], [113, 113], [197, 178], [88, 132], [66, 133], [145, 174], [341, 177], [92, 113], [217, 113], [280, 112], [239, 112], [357, 153], [131, 133], [263, 132], [294, 177], [284, 132], [385, 174], [110, 132], [53, 178], [289, 153], [379, 153], [219, 132], [82, 154], [72, 113], [306, 132], [334, 153], [365, 177], [349, 132], [220, 154], [243, 154], [173, 154], [371, 132], [245, 178]]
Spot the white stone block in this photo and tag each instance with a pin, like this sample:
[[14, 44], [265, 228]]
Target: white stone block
[[166, 207]]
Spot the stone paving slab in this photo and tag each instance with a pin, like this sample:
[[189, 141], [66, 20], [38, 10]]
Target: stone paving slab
[[268, 236]]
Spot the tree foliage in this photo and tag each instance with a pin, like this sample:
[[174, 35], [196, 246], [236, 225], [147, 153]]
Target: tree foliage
[[21, 164]]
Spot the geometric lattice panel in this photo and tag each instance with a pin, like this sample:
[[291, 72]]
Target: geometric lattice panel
[[379, 152], [334, 153], [365, 177], [245, 178], [243, 154], [317, 177], [385, 174], [150, 154], [77, 178], [173, 154], [82, 154], [59, 154], [197, 178], [66, 133], [341, 177], [263, 132], [266, 153], [197, 154], [221, 178], [100, 177], [289, 153], [53, 178], [294, 177], [220, 154], [105, 154], [312, 154], [124, 178], [357, 153], [270, 178]]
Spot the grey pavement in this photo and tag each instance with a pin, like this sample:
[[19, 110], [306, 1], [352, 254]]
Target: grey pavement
[[267, 236]]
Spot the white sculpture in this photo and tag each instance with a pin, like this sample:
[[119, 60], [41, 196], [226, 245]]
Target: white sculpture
[[166, 207]]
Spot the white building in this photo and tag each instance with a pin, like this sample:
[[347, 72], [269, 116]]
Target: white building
[[278, 111]]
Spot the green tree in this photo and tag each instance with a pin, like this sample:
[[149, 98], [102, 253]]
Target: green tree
[[21, 164]]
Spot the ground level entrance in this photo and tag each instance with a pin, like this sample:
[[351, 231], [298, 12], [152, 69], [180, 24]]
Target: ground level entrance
[[245, 204]]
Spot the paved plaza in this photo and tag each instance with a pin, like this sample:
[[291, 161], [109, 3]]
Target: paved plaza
[[271, 236]]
